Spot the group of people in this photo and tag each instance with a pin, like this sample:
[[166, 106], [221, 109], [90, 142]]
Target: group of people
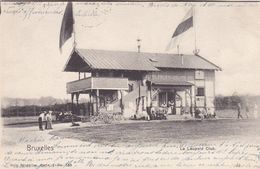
[[168, 109], [255, 111], [46, 117], [205, 113]]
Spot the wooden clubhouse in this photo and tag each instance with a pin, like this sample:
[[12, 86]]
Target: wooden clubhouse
[[133, 82]]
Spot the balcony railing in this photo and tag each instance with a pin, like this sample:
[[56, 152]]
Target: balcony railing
[[105, 83]]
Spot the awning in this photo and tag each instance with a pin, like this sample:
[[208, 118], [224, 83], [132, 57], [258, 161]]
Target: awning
[[172, 83]]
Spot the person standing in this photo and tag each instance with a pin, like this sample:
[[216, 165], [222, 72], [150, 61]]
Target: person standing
[[40, 120], [171, 106], [239, 111], [255, 111], [48, 117], [247, 110]]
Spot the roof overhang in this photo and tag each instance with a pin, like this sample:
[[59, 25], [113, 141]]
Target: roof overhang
[[172, 83], [87, 60], [76, 63], [216, 67]]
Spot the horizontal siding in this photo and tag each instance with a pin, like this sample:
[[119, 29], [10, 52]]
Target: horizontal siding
[[172, 75], [110, 83], [79, 85], [106, 83]]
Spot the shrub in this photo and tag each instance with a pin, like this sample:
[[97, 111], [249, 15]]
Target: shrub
[[107, 118]]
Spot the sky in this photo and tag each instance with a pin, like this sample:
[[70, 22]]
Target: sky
[[227, 34]]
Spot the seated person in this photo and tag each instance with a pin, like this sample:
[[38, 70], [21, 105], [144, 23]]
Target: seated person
[[198, 113], [203, 113], [163, 108]]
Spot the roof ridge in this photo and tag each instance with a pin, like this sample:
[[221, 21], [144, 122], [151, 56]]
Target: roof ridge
[[134, 51]]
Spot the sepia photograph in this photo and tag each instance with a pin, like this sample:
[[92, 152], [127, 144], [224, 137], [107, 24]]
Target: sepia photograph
[[130, 85]]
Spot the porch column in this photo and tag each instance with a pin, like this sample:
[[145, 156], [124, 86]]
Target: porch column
[[148, 98], [191, 108], [174, 94], [77, 103], [121, 102], [90, 104], [97, 101], [72, 106], [151, 97]]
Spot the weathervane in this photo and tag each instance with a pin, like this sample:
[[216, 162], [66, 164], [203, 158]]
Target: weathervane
[[138, 44]]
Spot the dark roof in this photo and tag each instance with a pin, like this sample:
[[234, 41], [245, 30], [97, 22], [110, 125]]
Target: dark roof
[[123, 60]]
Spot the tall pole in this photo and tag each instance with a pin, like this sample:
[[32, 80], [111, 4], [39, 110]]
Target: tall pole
[[196, 50], [139, 85], [74, 33], [195, 39]]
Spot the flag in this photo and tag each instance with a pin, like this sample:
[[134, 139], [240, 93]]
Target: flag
[[66, 25], [184, 25]]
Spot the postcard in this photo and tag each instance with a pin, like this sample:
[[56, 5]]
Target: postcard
[[130, 85]]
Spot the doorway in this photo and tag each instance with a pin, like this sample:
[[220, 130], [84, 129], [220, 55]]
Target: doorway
[[168, 98]]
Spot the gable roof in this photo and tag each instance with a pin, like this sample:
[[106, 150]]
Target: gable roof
[[90, 59]]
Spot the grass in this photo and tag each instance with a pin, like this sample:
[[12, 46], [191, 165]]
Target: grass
[[163, 131], [21, 120]]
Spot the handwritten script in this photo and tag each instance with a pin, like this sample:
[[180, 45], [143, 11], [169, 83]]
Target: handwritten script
[[68, 153], [94, 9]]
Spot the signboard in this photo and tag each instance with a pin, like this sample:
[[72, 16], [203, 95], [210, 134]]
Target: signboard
[[199, 74]]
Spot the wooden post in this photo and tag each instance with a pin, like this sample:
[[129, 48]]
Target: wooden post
[[151, 97], [166, 97], [174, 97], [90, 105], [77, 103], [97, 101], [72, 107], [205, 94], [139, 97], [191, 108], [121, 102]]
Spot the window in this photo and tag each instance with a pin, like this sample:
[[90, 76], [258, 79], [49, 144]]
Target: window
[[199, 74], [200, 91]]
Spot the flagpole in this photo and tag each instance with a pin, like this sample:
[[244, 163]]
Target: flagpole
[[195, 39], [73, 27], [195, 51]]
